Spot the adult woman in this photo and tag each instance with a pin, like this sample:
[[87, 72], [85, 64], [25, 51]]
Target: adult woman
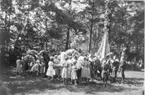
[[50, 70], [64, 74]]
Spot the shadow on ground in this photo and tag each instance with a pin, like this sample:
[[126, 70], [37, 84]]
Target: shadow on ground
[[34, 84]]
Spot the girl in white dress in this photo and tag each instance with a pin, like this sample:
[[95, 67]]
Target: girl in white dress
[[74, 74], [50, 70], [18, 66]]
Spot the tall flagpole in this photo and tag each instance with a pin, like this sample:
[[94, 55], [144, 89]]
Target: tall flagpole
[[104, 48], [106, 16]]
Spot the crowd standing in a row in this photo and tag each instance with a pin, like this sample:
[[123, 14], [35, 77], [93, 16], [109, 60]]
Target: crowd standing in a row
[[72, 69]]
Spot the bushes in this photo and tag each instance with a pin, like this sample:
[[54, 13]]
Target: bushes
[[133, 66]]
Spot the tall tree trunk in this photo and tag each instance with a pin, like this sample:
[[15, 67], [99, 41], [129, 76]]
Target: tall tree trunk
[[91, 27], [68, 32], [110, 25], [2, 50], [67, 39], [137, 47], [90, 42]]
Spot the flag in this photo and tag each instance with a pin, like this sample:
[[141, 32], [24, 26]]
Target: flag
[[104, 48]]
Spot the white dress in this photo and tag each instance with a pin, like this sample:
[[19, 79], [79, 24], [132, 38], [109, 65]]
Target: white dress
[[19, 66], [73, 73], [69, 62], [57, 69], [79, 63], [50, 70], [64, 70]]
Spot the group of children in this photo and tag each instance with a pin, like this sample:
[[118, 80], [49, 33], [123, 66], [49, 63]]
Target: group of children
[[68, 69]]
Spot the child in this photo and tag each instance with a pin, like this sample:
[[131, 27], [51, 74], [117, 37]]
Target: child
[[18, 66], [74, 74], [105, 73], [35, 67], [50, 70]]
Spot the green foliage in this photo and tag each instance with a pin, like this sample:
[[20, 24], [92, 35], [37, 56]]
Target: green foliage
[[38, 22]]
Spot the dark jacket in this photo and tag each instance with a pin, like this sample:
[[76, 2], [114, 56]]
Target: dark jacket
[[46, 58]]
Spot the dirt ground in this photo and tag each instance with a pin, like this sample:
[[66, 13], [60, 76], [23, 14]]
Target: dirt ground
[[37, 85]]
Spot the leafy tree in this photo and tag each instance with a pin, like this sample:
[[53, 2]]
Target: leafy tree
[[91, 16], [66, 17]]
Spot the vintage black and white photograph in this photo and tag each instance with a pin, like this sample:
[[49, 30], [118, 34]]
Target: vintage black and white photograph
[[72, 47]]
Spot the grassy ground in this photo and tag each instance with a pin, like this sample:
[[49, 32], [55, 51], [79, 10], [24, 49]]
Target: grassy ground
[[36, 85]]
